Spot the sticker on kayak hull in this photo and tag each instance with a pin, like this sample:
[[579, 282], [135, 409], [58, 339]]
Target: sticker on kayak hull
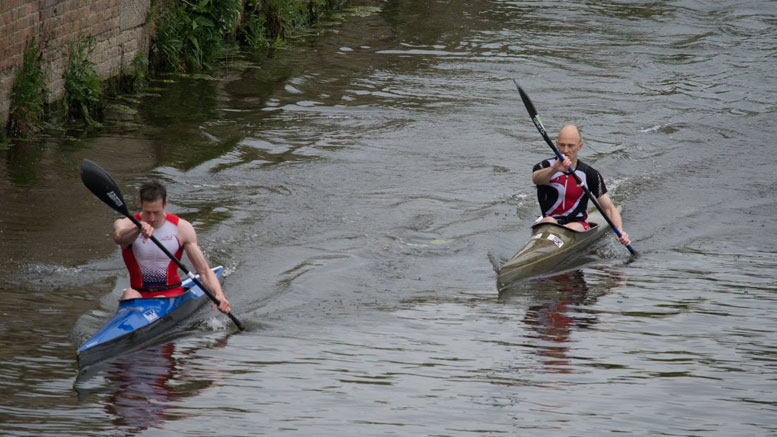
[[150, 315], [557, 241]]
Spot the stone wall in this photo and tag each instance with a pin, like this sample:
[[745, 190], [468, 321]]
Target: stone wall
[[120, 29]]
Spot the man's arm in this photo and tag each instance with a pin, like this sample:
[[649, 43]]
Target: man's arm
[[124, 232], [614, 216], [188, 238], [543, 175]]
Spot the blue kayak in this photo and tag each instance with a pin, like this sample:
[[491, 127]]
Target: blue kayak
[[140, 323]]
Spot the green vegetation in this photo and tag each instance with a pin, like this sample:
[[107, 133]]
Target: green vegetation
[[267, 23], [253, 27], [83, 88], [138, 78], [296, 14], [28, 95], [189, 36]]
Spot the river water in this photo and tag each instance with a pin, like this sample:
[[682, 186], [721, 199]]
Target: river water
[[354, 185]]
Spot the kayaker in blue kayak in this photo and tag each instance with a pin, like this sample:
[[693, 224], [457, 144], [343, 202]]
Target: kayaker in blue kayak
[[152, 273], [561, 200]]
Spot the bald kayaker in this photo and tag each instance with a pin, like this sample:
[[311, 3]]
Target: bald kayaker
[[561, 200], [152, 272]]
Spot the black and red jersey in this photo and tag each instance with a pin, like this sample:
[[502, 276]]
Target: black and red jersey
[[562, 198]]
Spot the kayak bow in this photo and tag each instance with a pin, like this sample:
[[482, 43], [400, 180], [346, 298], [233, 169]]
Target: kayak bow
[[549, 248], [142, 322]]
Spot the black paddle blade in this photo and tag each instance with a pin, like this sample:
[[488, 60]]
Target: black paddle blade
[[526, 101], [102, 185]]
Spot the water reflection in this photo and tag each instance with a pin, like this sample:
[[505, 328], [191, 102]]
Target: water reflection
[[553, 320], [552, 317], [142, 392], [556, 308], [139, 389], [22, 161]]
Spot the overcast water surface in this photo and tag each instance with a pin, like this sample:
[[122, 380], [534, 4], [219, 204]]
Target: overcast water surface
[[353, 186]]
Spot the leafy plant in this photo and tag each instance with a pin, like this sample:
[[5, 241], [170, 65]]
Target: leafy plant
[[267, 23], [28, 95], [189, 36], [83, 88], [139, 76], [253, 28]]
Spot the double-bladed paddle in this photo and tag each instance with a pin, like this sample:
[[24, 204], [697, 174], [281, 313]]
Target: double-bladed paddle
[[102, 185], [535, 118]]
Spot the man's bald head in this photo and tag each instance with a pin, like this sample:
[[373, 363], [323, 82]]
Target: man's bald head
[[569, 134]]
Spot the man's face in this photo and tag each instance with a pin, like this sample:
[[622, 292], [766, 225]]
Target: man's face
[[569, 144], [153, 212]]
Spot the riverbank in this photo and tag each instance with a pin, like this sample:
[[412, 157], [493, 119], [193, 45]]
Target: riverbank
[[118, 37]]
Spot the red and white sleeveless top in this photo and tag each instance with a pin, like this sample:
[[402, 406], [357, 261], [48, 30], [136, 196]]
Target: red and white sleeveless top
[[151, 271]]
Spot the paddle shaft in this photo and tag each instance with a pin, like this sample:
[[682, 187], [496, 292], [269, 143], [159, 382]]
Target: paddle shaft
[[535, 118], [194, 278]]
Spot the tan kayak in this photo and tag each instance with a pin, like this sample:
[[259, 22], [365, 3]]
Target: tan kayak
[[551, 248]]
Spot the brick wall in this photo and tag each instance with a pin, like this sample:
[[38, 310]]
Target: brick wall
[[119, 27]]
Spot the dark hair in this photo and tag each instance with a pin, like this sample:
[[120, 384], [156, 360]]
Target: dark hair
[[152, 191]]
